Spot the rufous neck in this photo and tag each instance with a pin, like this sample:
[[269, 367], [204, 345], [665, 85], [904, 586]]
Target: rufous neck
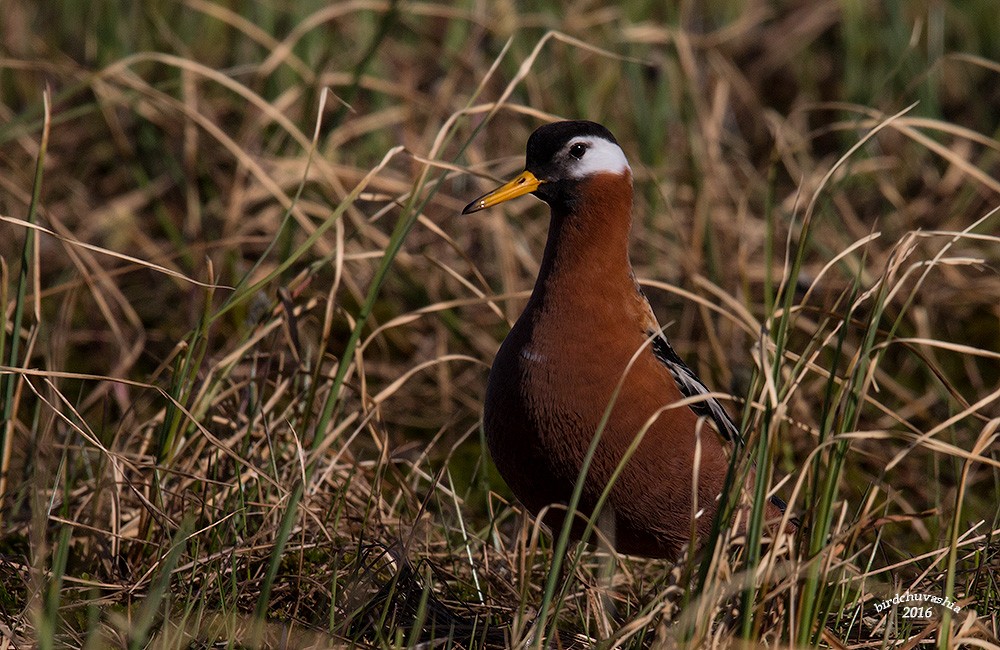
[[587, 247]]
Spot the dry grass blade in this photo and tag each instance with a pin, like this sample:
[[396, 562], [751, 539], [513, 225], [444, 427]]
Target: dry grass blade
[[246, 339]]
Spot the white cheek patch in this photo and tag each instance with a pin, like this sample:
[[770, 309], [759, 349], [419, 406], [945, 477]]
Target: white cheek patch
[[601, 156]]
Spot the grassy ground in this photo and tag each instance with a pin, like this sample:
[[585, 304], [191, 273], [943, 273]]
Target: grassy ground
[[247, 332]]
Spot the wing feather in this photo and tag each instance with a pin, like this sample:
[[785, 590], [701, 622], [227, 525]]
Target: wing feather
[[691, 386]]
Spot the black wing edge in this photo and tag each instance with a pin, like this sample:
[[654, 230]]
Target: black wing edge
[[691, 386]]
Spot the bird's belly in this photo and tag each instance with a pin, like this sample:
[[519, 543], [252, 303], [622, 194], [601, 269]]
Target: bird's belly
[[540, 418]]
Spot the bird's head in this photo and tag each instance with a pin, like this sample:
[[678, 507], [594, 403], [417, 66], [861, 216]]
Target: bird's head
[[561, 157]]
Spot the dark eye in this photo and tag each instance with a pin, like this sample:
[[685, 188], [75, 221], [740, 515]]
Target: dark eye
[[577, 150]]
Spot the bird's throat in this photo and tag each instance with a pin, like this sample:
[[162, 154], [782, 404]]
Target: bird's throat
[[588, 244]]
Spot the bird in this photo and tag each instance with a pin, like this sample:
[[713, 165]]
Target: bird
[[588, 342]]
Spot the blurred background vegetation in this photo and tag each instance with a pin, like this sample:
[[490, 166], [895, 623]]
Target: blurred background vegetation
[[249, 346]]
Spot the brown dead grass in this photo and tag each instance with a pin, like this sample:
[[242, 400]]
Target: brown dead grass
[[143, 420]]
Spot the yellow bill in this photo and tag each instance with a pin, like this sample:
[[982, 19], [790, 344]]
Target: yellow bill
[[524, 183]]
